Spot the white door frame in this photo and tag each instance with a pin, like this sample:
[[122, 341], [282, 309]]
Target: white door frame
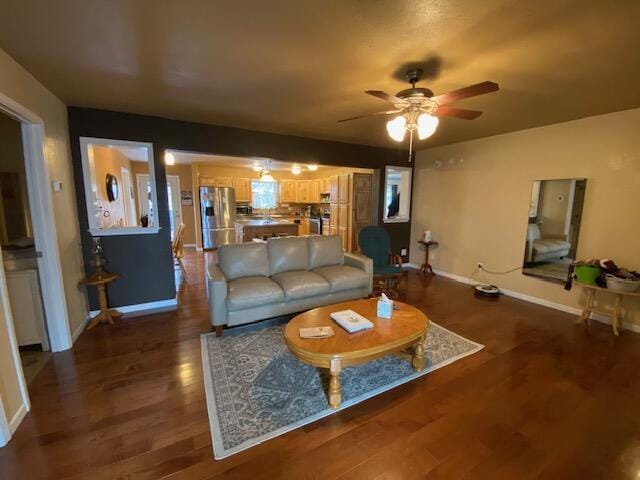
[[178, 205], [46, 242]]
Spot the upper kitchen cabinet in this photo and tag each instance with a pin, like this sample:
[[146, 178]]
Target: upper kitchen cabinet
[[315, 190], [243, 189], [343, 188], [288, 191], [304, 191], [333, 189], [216, 181]]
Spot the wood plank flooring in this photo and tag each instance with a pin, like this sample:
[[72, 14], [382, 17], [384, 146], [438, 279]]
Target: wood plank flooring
[[544, 399]]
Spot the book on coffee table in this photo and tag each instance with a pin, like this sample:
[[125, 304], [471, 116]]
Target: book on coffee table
[[351, 321], [316, 332]]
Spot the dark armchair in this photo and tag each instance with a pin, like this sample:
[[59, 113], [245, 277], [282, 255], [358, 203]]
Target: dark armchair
[[387, 266]]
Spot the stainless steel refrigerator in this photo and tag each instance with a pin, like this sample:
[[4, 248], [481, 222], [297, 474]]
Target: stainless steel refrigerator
[[218, 213]]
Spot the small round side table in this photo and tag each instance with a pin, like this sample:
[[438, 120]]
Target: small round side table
[[100, 279], [426, 266]]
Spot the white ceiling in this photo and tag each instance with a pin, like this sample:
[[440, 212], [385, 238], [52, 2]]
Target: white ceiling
[[296, 67]]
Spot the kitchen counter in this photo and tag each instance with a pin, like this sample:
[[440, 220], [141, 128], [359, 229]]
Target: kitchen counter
[[248, 229], [263, 222]]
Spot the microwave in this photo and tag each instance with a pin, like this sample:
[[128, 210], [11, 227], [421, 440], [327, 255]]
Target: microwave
[[244, 210]]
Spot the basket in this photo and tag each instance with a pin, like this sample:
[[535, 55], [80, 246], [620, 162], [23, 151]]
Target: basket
[[622, 285], [587, 274]]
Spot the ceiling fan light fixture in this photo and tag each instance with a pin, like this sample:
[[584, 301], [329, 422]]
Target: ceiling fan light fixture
[[296, 170], [397, 128], [427, 125]]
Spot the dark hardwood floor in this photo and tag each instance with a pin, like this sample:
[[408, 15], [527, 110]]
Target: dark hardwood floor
[[544, 399]]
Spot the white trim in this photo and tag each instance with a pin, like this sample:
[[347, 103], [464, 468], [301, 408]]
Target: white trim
[[140, 308], [87, 173], [189, 245], [540, 301], [17, 418], [5, 429]]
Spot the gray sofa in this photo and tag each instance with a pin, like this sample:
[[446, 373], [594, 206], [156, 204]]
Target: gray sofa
[[254, 281]]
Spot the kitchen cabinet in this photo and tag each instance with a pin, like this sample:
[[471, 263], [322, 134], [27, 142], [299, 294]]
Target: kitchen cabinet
[[216, 181], [315, 191], [325, 185], [288, 191], [242, 187], [333, 189], [343, 188], [304, 226], [26, 307], [304, 191]]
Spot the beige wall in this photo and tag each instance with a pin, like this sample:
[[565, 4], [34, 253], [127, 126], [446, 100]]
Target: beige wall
[[110, 160], [17, 84], [476, 203]]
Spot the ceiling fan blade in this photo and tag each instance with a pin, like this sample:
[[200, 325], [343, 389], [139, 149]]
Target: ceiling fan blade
[[388, 112], [466, 92], [385, 96], [457, 113]]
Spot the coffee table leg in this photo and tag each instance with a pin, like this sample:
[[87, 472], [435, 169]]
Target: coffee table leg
[[335, 392], [418, 355]]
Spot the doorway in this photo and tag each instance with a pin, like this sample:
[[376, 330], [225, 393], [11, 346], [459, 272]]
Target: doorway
[[173, 195], [19, 254]]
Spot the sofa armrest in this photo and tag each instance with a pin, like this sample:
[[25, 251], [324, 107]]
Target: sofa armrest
[[217, 293], [363, 263]]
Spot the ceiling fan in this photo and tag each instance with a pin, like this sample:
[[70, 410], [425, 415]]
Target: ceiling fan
[[418, 109]]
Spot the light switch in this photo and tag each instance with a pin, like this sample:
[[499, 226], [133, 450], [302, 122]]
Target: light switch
[[57, 185], [403, 252]]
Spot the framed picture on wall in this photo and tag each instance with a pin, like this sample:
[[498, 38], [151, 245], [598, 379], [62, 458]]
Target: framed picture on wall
[[186, 197]]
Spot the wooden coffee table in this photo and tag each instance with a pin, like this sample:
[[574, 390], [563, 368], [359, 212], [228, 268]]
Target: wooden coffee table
[[407, 328]]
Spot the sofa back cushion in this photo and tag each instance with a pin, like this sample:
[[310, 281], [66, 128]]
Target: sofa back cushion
[[243, 260], [288, 253], [325, 250]]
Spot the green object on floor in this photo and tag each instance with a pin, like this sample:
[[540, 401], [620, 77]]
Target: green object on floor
[[587, 274]]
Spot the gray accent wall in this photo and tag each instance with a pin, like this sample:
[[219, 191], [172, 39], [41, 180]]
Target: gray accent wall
[[144, 261]]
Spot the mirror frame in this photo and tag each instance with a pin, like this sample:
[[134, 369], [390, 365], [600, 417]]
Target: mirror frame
[[406, 219], [88, 171]]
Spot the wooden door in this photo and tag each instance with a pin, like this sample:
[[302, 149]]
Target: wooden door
[[362, 200]]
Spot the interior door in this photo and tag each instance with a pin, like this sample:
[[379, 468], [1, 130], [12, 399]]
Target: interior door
[[130, 213], [173, 195]]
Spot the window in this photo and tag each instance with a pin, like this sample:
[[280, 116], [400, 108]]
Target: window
[[264, 194]]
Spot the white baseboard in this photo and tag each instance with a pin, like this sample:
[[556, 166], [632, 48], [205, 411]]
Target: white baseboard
[[189, 245], [539, 301], [133, 311], [17, 418]]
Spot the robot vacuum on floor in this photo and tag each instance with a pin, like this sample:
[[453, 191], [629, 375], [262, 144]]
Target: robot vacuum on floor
[[487, 291]]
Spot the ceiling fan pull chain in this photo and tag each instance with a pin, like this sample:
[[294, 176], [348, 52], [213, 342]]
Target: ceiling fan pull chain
[[410, 144]]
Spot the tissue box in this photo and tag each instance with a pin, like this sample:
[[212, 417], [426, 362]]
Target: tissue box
[[384, 308]]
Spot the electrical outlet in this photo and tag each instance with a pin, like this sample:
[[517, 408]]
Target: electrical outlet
[[403, 252], [479, 265]]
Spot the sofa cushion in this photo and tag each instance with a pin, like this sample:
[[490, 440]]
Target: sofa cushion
[[325, 250], [248, 292], [287, 254], [343, 277], [301, 284], [550, 245], [243, 260]]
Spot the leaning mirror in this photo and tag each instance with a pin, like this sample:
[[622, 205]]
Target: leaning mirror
[[397, 194], [555, 213], [120, 186]]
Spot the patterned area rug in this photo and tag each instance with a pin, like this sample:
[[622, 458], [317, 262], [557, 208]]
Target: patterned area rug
[[256, 390]]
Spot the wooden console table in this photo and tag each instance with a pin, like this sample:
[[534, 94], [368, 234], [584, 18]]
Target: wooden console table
[[616, 315], [426, 266], [100, 279]]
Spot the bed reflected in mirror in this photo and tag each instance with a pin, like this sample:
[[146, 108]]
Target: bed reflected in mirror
[[555, 213]]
